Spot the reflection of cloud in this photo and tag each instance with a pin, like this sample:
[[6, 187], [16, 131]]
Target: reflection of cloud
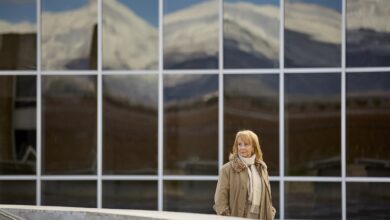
[[68, 85], [67, 36], [129, 42], [369, 14]]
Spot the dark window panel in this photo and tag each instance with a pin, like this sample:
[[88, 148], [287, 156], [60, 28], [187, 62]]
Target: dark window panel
[[130, 124], [275, 197], [312, 200], [191, 34], [69, 193], [312, 33], [130, 34], [17, 125], [17, 192], [18, 35], [69, 35], [252, 102], [189, 196], [69, 124], [312, 124], [367, 33], [191, 124], [251, 33], [368, 124], [366, 201], [130, 195]]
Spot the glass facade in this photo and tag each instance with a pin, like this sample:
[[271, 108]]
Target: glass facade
[[134, 104]]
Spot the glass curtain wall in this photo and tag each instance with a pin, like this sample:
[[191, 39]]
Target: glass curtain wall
[[134, 104]]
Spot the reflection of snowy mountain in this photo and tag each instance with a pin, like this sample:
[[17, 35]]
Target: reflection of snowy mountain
[[251, 85], [139, 90], [128, 41], [368, 33], [67, 37], [20, 28], [251, 35], [191, 37], [312, 36]]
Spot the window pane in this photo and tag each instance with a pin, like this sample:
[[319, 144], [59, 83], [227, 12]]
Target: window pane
[[130, 34], [252, 102], [17, 192], [130, 124], [18, 35], [69, 193], [191, 124], [275, 197], [312, 124], [312, 33], [69, 35], [130, 195], [17, 125], [191, 34], [251, 33], [368, 124], [189, 196], [368, 33], [69, 120], [312, 200], [368, 201]]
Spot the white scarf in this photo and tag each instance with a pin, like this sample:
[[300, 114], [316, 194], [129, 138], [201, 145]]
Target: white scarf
[[254, 188]]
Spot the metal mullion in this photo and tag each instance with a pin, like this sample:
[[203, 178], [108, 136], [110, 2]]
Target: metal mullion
[[160, 183], [131, 177], [368, 179], [343, 112], [151, 72], [251, 71], [313, 70], [18, 72], [18, 177], [69, 73], [367, 69], [281, 109], [311, 179], [220, 88], [190, 178], [68, 177], [99, 155], [194, 72], [38, 109]]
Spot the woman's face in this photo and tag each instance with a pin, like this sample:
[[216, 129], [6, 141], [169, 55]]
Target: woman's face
[[245, 148]]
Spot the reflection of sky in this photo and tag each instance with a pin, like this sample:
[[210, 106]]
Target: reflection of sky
[[171, 6], [258, 2], [18, 11], [60, 5], [313, 84], [367, 82], [146, 9], [333, 4]]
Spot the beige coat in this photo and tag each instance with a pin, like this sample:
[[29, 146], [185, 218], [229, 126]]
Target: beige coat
[[231, 194]]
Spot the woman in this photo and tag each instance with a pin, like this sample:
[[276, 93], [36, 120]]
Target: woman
[[243, 188]]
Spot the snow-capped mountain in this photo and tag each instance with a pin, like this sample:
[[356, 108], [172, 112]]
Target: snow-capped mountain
[[129, 42]]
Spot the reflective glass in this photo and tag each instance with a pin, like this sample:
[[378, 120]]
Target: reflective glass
[[368, 33], [69, 193], [189, 196], [69, 35], [251, 33], [312, 124], [191, 124], [368, 120], [130, 34], [130, 124], [366, 201], [17, 192], [312, 33], [312, 200], [17, 125], [191, 34], [252, 102], [69, 124], [275, 197], [130, 195], [18, 35]]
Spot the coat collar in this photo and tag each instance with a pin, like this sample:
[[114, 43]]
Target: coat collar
[[239, 166]]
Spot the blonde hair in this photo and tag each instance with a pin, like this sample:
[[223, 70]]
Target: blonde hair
[[247, 136]]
